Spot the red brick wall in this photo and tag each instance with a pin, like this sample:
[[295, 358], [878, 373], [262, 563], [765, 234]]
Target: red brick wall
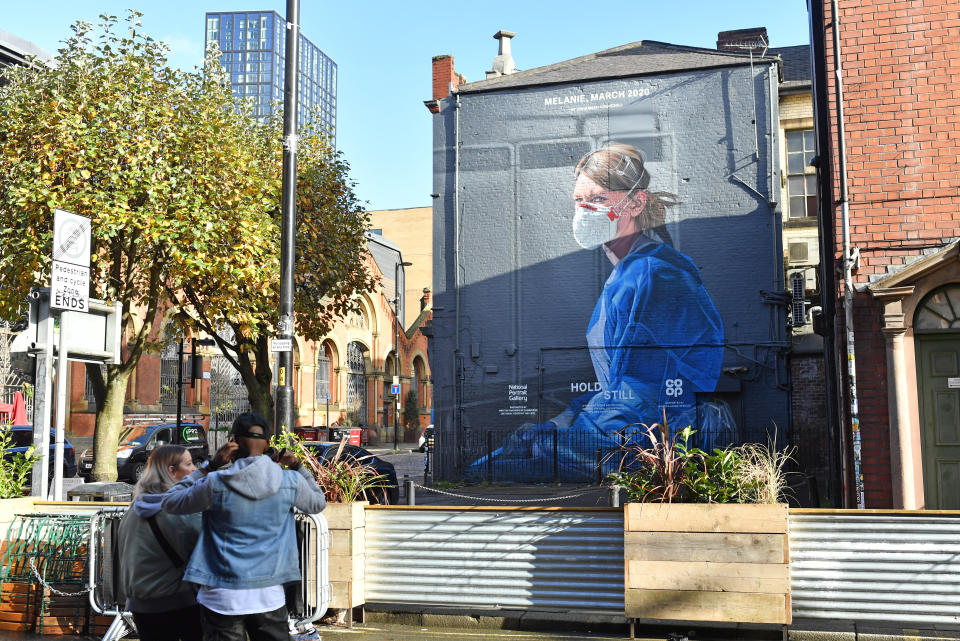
[[901, 85], [443, 76], [809, 433], [872, 392]]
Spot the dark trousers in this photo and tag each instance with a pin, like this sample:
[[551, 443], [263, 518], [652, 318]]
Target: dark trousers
[[176, 625], [262, 626]]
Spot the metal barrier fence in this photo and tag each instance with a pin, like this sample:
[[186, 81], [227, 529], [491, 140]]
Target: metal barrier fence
[[875, 566], [306, 604], [540, 455], [485, 558], [845, 565]]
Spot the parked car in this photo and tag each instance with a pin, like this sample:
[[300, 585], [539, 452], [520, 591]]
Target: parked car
[[426, 436], [326, 451], [23, 438], [138, 441]]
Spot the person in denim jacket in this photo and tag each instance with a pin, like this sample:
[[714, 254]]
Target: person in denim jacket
[[248, 547]]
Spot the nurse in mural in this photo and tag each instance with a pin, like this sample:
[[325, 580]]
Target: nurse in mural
[[655, 336]]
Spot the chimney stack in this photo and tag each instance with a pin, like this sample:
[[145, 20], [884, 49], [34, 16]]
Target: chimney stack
[[744, 40], [503, 64], [445, 81], [425, 299]]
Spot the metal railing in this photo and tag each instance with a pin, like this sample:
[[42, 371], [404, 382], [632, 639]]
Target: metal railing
[[307, 605]]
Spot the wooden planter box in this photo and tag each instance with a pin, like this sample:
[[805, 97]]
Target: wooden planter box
[[699, 562], [9, 508], [346, 556]]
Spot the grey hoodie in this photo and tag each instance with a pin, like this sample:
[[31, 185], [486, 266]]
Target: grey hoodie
[[249, 533], [148, 577], [255, 477]]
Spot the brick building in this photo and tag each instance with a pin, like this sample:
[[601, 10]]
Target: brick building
[[344, 378], [890, 214]]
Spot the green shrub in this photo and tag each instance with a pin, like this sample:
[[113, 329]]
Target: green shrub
[[411, 410], [343, 478], [670, 471], [15, 472]]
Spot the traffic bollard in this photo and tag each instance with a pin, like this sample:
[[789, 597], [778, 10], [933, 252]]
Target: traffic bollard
[[614, 496], [411, 493]]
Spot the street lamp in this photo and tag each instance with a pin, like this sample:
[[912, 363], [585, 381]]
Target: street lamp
[[396, 347]]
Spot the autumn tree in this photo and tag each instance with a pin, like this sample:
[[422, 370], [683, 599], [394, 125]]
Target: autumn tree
[[161, 162], [330, 263]]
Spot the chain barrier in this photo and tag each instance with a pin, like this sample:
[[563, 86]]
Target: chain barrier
[[484, 498], [36, 573]]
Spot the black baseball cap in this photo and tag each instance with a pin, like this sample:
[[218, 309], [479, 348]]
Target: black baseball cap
[[243, 423]]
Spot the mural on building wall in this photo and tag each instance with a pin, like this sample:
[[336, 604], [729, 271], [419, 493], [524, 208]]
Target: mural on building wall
[[601, 275], [655, 337]]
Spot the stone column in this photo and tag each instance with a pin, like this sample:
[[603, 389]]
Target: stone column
[[898, 402]]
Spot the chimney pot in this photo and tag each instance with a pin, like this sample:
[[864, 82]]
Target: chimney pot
[[503, 64]]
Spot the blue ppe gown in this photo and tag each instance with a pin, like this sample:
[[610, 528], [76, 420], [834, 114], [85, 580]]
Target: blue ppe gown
[[656, 340]]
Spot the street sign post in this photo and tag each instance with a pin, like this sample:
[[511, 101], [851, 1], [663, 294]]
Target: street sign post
[[281, 345], [92, 336], [70, 272]]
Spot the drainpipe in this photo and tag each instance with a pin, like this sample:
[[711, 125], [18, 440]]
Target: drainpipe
[[848, 261], [457, 419]]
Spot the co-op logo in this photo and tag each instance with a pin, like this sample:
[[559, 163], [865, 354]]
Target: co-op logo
[[674, 387]]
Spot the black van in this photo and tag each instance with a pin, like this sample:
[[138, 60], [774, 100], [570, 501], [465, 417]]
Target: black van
[[138, 441]]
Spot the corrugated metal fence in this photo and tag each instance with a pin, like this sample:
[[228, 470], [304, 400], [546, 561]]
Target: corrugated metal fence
[[845, 565], [487, 558], [875, 566]]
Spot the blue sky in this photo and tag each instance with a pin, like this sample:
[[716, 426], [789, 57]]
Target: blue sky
[[383, 51]]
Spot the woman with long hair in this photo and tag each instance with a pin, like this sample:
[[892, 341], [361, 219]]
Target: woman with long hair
[[154, 549]]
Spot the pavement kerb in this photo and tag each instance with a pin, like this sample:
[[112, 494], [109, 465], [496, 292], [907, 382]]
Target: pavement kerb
[[496, 619], [546, 621]]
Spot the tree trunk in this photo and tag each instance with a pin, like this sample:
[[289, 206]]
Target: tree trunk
[[257, 377], [261, 401], [109, 424]]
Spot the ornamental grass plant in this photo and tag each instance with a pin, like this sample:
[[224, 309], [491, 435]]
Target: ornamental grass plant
[[343, 478], [658, 469]]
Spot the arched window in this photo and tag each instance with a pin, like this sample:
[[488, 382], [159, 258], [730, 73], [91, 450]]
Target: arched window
[[170, 370], [940, 310], [358, 319], [323, 375], [415, 383], [356, 379]]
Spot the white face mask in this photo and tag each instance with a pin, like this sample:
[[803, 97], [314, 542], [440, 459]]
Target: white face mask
[[594, 225]]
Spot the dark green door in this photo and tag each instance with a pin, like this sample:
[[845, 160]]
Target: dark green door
[[938, 377]]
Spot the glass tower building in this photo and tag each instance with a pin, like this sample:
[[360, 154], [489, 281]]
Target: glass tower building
[[253, 44]]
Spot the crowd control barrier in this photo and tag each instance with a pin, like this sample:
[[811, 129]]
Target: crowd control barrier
[[306, 601]]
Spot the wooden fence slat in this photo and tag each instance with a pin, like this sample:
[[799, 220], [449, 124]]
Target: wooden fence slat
[[681, 517], [733, 607], [703, 546], [708, 576]]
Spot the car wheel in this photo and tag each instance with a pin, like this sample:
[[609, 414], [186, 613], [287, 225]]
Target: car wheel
[[138, 469]]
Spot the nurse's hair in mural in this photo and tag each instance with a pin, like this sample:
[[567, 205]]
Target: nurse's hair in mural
[[620, 167]]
